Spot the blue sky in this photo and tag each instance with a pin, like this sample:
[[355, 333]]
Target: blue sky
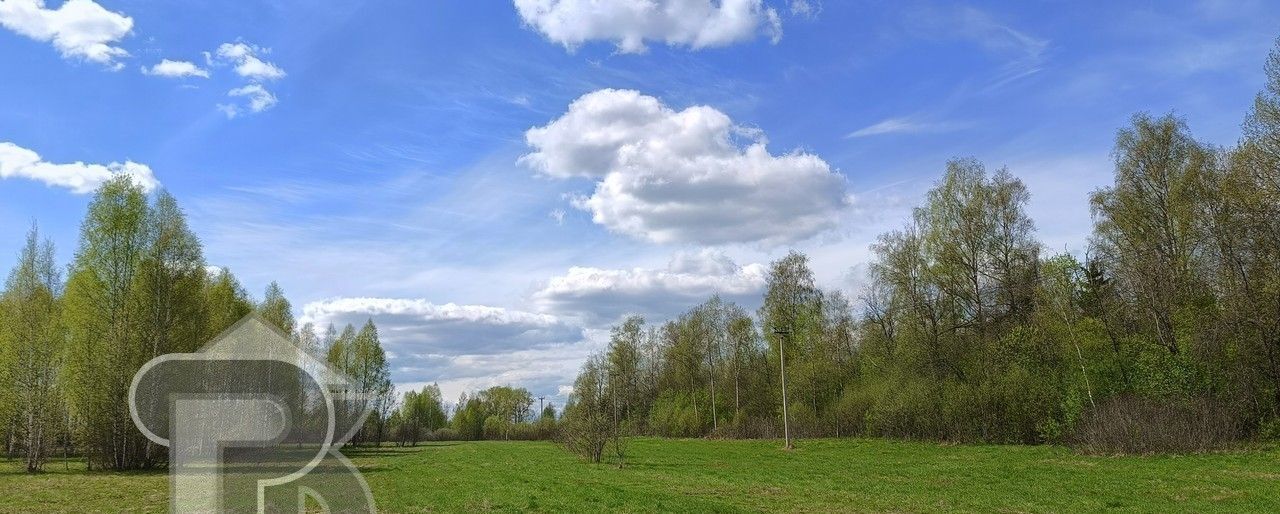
[[388, 167]]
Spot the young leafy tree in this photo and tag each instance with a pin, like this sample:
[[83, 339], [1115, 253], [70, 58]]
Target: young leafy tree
[[170, 283], [104, 348], [746, 355], [1245, 209], [275, 308], [31, 350], [338, 351], [1146, 227], [225, 303], [623, 360], [790, 320], [430, 408], [588, 426], [372, 376], [468, 417], [421, 412]]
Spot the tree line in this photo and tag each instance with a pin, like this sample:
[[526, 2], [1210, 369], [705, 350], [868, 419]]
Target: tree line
[[497, 413], [137, 288], [1163, 336]]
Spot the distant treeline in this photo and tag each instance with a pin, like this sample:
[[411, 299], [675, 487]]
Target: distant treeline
[[496, 413], [1164, 336]]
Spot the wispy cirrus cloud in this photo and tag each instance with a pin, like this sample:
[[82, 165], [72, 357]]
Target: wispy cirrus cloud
[[809, 9], [1024, 54], [905, 126]]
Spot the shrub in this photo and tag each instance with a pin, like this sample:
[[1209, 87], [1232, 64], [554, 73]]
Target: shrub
[[444, 434], [673, 415], [1138, 425]]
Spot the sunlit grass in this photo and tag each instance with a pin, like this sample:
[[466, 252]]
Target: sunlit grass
[[700, 475]]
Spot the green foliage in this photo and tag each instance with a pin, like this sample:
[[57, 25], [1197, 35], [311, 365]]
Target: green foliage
[[420, 413], [967, 333], [370, 373], [674, 415], [104, 344], [499, 412], [137, 288], [275, 308], [225, 302], [32, 340]]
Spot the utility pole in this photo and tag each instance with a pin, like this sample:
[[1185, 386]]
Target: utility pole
[[782, 334]]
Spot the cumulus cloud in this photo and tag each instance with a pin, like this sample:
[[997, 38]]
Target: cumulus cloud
[[175, 69], [247, 64], [79, 177], [416, 326], [245, 58], [259, 99], [464, 347], [605, 295], [670, 176], [629, 23], [78, 28], [545, 372]]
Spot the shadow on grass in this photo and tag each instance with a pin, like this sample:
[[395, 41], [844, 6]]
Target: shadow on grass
[[14, 467], [392, 451]]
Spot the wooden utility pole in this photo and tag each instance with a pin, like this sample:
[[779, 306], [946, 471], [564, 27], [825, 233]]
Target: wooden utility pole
[[782, 334]]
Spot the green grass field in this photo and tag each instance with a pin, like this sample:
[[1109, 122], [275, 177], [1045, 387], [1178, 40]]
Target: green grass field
[[730, 476]]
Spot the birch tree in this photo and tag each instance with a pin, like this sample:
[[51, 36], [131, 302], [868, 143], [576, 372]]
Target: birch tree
[[31, 350]]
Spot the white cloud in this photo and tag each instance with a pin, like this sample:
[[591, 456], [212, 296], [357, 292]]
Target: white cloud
[[244, 56], [247, 63], [79, 177], [259, 98], [602, 296], [671, 176], [629, 23], [806, 8], [78, 28], [904, 126], [544, 372], [176, 69], [1025, 54], [417, 326], [464, 347]]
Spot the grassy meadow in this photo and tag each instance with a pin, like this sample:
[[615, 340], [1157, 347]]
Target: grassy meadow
[[695, 475]]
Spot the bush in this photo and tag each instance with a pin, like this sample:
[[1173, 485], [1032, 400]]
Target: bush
[[444, 434], [1269, 430], [744, 426], [673, 415], [1137, 425], [496, 428]]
